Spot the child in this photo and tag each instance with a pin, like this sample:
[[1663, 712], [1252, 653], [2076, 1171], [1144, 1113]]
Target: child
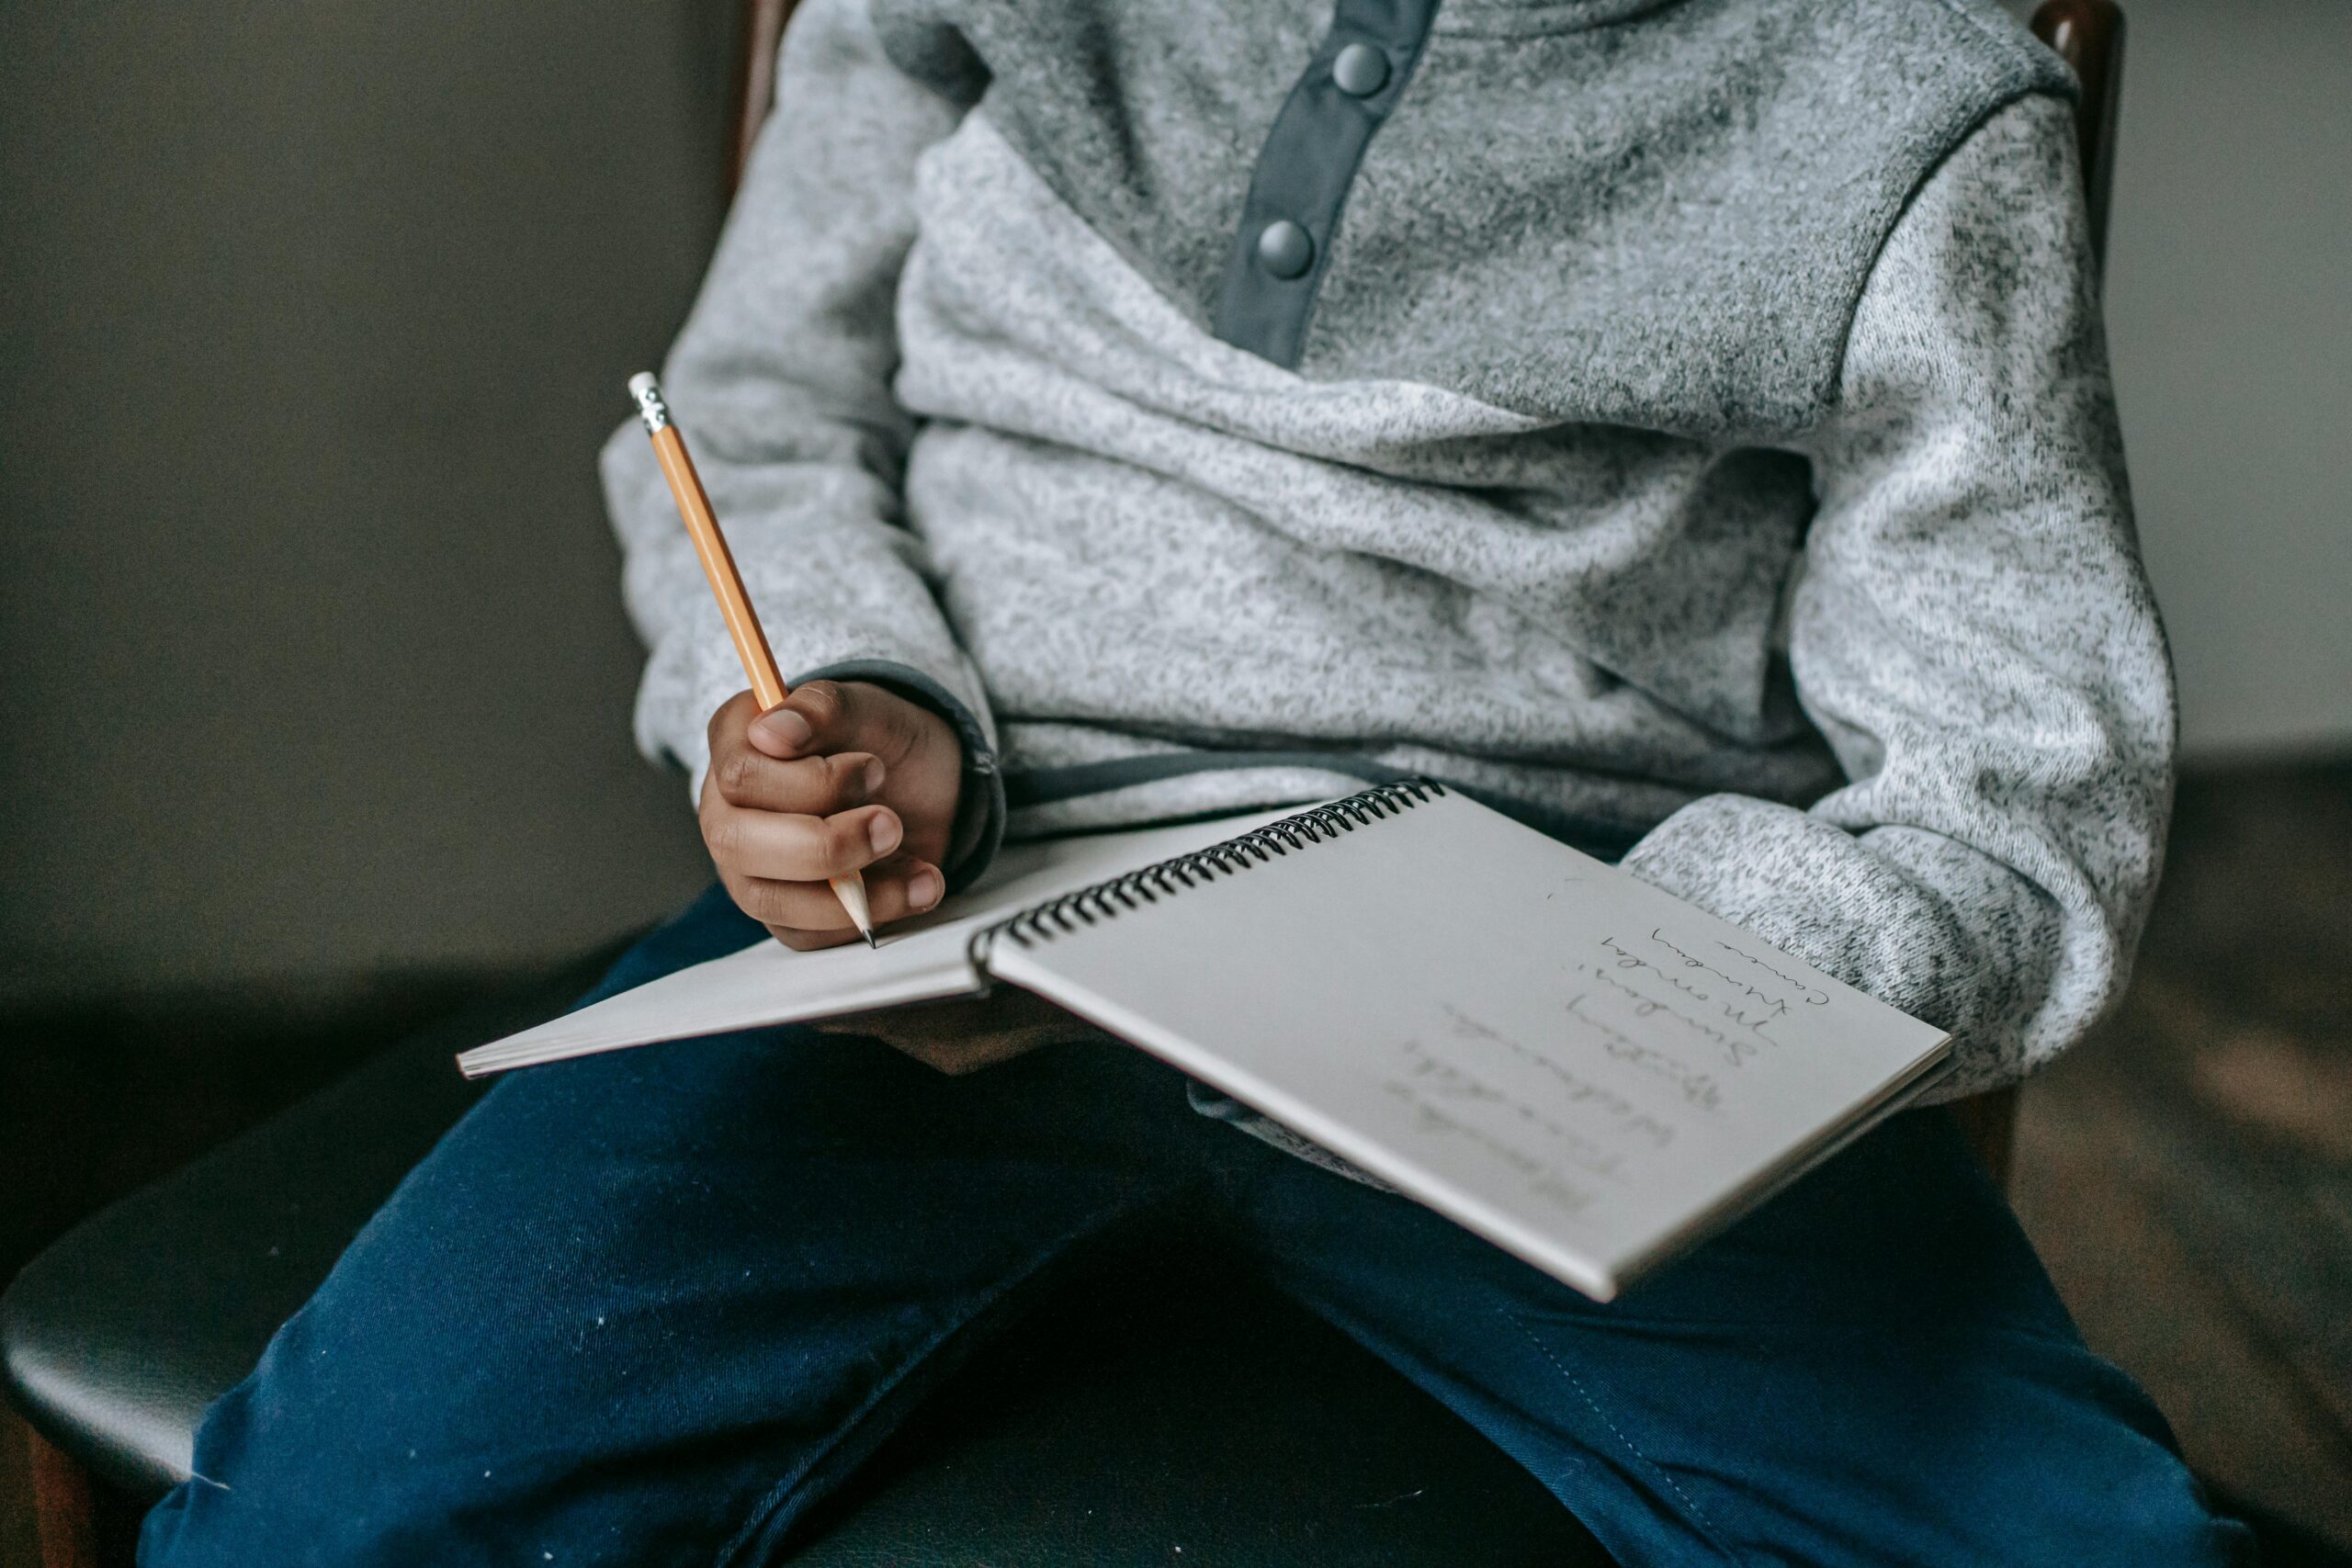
[[1683, 424]]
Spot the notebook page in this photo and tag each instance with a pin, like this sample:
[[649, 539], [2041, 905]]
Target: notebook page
[[918, 960], [1580, 1067]]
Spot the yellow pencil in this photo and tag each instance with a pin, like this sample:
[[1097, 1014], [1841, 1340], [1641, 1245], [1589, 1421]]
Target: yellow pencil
[[727, 583]]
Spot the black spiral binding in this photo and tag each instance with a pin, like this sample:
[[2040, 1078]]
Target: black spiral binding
[[1106, 900]]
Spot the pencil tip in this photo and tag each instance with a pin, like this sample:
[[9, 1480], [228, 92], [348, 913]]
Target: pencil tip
[[871, 942]]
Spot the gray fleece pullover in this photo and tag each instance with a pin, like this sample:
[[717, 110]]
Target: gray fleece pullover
[[1685, 425]]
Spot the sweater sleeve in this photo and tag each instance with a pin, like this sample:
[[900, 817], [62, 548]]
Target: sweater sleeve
[[1971, 631], [781, 379]]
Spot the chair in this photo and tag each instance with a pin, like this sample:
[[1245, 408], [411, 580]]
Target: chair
[[1161, 1416]]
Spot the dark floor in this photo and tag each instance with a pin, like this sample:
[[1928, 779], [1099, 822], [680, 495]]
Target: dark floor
[[2188, 1173]]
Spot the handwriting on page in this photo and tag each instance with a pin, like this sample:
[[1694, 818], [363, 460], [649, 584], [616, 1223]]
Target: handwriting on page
[[1652, 1042], [1721, 993]]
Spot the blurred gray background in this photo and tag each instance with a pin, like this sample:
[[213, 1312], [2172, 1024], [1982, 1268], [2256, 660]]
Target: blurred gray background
[[311, 318], [314, 719]]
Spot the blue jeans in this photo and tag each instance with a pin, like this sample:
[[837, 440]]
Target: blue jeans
[[647, 1308]]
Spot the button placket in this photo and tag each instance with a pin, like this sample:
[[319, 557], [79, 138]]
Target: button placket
[[1305, 168]]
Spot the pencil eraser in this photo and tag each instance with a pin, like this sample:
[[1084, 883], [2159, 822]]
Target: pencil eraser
[[650, 406]]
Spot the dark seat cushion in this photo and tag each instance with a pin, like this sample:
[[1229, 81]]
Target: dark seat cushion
[[1147, 1406], [119, 1336]]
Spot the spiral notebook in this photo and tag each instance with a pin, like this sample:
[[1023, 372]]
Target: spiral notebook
[[1585, 1070]]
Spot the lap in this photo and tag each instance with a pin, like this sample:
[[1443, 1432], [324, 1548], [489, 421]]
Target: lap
[[644, 1307], [641, 1307], [1873, 1368]]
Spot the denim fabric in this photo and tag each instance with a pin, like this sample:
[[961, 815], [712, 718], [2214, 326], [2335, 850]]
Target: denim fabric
[[646, 1308]]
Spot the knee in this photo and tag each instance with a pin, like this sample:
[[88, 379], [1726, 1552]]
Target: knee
[[2163, 1518], [2112, 1491]]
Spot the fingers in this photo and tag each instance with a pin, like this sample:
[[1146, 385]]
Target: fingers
[[831, 715], [804, 914], [815, 712], [792, 800], [811, 786], [814, 785], [810, 942], [785, 847]]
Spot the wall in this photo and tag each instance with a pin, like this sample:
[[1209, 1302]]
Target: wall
[[314, 318], [311, 318], [2230, 314]]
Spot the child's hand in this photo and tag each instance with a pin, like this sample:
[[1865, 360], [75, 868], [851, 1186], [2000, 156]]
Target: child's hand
[[842, 777]]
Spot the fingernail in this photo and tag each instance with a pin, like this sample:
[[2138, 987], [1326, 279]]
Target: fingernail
[[924, 888], [872, 777], [884, 832], [787, 729]]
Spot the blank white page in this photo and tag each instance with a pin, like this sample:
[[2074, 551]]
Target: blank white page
[[1581, 1068], [918, 960]]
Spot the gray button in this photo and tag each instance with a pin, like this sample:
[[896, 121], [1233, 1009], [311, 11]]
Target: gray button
[[1361, 71], [1284, 248]]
